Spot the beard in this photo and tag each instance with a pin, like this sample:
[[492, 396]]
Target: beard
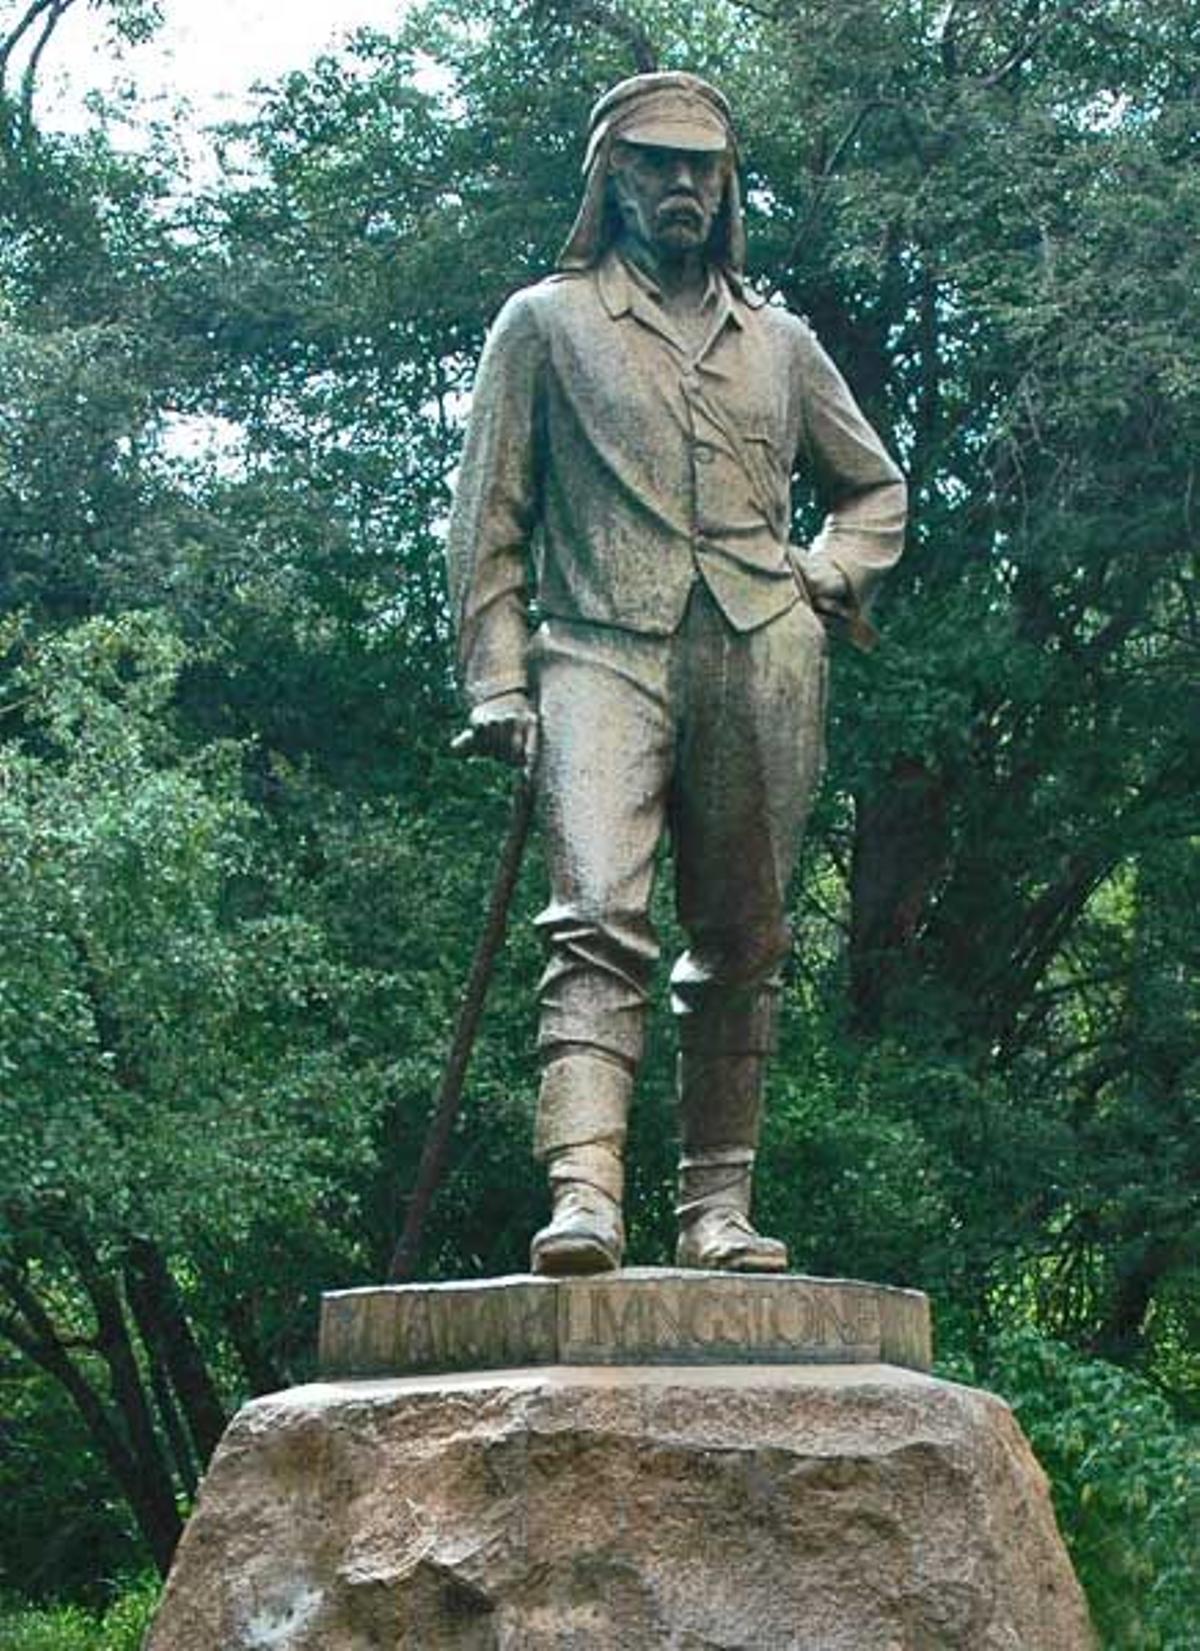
[[680, 222]]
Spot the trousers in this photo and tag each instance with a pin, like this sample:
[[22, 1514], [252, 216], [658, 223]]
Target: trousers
[[714, 736]]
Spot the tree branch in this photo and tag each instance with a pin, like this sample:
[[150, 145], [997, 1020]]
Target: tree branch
[[159, 1313], [948, 41], [613, 22], [29, 78], [154, 1497], [1022, 53], [14, 37], [41, 1343], [834, 159]]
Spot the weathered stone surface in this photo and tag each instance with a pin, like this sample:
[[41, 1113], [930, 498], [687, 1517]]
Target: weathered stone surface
[[818, 1508], [643, 1315], [492, 1323]]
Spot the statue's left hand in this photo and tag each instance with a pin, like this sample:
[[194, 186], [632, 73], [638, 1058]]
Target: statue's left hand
[[827, 586]]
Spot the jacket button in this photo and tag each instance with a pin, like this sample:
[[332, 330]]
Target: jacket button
[[704, 455]]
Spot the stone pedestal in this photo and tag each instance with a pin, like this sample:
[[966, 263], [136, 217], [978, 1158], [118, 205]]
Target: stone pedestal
[[641, 1315], [764, 1506]]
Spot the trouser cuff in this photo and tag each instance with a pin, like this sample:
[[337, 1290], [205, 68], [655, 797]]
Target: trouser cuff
[[597, 1165], [714, 1181]]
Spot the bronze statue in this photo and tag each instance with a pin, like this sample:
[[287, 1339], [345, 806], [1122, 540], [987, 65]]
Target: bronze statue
[[636, 422]]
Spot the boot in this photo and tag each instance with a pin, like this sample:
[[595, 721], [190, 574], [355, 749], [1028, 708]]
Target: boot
[[720, 1099], [580, 1136]]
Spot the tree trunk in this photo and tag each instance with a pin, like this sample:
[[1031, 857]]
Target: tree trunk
[[183, 1456], [262, 1373], [157, 1520], [158, 1516], [899, 854], [156, 1304], [1122, 1336]]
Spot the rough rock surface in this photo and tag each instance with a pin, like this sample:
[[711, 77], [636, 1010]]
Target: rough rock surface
[[829, 1508]]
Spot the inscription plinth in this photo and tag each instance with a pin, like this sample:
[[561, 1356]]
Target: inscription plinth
[[639, 1316]]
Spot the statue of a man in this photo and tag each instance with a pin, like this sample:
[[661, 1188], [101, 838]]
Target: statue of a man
[[636, 423]]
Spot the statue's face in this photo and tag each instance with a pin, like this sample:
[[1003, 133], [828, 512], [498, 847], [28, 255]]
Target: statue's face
[[668, 198]]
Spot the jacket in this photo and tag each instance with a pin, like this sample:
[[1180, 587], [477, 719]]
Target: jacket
[[607, 466]]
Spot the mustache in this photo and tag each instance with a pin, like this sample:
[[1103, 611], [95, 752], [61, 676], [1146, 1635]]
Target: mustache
[[679, 198]]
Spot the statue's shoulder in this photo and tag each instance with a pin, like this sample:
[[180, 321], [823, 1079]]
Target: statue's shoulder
[[771, 312], [788, 332], [767, 310], [541, 301], [561, 292]]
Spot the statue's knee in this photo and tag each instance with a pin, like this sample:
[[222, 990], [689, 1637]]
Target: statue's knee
[[733, 960]]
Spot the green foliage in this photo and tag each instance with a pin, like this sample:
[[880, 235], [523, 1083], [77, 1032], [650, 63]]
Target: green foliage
[[851, 1175], [120, 902], [121, 1627], [1126, 1478], [65, 1527]]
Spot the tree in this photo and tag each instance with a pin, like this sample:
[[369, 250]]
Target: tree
[[126, 1141]]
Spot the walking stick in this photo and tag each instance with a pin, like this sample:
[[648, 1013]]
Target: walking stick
[[449, 1095]]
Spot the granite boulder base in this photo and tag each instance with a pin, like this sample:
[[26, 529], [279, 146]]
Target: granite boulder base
[[813, 1508]]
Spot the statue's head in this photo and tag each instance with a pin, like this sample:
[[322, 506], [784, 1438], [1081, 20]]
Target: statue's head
[[661, 163]]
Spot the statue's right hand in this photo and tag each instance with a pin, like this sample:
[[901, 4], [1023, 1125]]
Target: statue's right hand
[[505, 728]]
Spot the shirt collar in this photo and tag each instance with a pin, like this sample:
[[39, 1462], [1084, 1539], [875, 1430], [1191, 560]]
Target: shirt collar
[[625, 289]]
